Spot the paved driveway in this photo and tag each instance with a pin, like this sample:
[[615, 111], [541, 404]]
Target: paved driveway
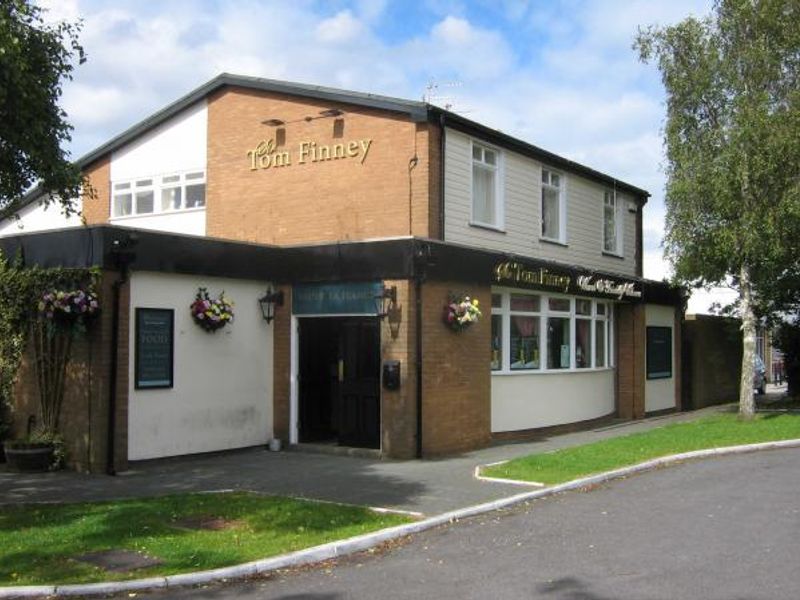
[[428, 486], [725, 528]]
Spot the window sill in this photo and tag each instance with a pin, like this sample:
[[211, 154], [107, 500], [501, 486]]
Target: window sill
[[554, 242], [518, 372], [613, 255], [494, 228], [165, 213]]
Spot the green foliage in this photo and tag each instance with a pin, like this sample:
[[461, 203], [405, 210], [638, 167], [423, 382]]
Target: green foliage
[[35, 58], [40, 542], [733, 121], [711, 432], [21, 290]]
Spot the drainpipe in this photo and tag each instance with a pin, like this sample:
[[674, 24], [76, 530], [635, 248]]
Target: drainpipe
[[418, 357], [442, 143], [122, 256]]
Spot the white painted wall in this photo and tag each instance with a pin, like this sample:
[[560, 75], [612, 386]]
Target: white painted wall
[[222, 394], [522, 201], [38, 217], [178, 144], [659, 394], [189, 222], [522, 402]]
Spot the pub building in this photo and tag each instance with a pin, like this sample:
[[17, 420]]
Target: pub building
[[346, 228]]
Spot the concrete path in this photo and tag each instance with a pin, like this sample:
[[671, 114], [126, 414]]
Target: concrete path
[[429, 486]]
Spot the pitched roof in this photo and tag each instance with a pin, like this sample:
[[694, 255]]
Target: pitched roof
[[416, 110]]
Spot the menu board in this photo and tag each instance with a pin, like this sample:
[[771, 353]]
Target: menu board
[[154, 347], [659, 352]]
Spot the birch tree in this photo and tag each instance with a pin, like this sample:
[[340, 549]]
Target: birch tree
[[732, 143]]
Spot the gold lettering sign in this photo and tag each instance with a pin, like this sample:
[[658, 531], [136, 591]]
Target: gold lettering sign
[[267, 156], [607, 286], [514, 272]]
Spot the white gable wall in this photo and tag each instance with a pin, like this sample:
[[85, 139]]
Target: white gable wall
[[176, 146], [37, 217]]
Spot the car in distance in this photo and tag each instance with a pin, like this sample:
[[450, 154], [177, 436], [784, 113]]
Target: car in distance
[[759, 376]]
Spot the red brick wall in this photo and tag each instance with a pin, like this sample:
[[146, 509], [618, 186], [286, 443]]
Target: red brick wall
[[456, 378], [630, 344], [96, 206], [341, 199], [84, 414]]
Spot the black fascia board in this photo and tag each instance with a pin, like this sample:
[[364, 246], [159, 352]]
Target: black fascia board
[[493, 136]]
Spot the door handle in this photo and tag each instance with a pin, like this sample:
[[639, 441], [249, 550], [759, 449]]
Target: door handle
[[341, 370]]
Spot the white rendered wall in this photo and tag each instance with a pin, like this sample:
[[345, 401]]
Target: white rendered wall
[[176, 146], [659, 394], [522, 402], [222, 394], [37, 217]]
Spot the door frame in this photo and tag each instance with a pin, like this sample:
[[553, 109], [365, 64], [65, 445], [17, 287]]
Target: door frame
[[294, 374]]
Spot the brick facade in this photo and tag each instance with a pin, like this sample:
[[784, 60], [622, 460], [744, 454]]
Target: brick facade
[[97, 200], [630, 360], [386, 195], [84, 413]]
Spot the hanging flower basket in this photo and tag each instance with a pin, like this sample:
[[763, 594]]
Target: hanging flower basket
[[69, 307], [460, 312], [211, 313]]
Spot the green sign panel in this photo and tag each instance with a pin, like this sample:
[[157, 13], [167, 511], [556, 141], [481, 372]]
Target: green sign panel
[[336, 298], [154, 347]]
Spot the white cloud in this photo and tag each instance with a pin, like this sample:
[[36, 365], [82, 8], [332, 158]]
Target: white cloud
[[343, 27]]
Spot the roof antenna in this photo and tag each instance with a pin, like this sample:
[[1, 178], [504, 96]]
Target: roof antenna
[[432, 96]]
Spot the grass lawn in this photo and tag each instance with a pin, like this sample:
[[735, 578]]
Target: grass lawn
[[711, 432], [38, 544]]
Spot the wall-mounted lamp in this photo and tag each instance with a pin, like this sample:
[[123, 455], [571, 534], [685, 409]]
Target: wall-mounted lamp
[[323, 114], [385, 301], [273, 122], [268, 302]]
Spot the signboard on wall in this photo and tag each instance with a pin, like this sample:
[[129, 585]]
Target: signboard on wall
[[336, 298], [659, 352], [155, 342]]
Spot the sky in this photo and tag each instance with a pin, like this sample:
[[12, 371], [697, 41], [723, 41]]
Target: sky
[[560, 74]]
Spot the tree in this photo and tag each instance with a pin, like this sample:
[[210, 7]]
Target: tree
[[35, 58], [731, 132]]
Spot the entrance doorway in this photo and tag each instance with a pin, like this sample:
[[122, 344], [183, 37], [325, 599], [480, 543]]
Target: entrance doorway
[[339, 381]]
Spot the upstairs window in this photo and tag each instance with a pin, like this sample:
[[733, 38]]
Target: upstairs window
[[486, 208], [553, 209], [612, 224], [163, 194]]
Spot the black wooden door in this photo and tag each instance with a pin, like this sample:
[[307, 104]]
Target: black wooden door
[[359, 383]]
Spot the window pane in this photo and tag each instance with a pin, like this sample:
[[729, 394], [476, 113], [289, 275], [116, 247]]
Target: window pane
[[600, 343], [524, 302], [123, 205], [171, 198], [497, 300], [477, 153], [497, 342], [524, 342], [122, 186], [583, 307], [601, 308], [555, 180], [144, 183], [583, 343], [144, 202], [545, 176], [558, 342], [483, 195], [550, 213], [195, 195], [171, 179], [559, 304], [489, 157], [198, 175], [609, 229]]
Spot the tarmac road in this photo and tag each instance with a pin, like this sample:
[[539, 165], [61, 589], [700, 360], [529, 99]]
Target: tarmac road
[[725, 528]]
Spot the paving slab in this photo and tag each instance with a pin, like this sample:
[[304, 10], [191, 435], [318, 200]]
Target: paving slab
[[429, 487]]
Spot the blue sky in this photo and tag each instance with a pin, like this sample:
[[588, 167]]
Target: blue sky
[[558, 74]]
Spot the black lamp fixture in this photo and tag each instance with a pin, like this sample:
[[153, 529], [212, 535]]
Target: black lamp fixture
[[268, 302], [323, 114], [385, 301], [273, 122]]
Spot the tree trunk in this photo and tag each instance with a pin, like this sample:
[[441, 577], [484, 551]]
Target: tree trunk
[[746, 401]]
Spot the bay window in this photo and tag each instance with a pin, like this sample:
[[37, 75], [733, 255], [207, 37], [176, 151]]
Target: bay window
[[537, 332]]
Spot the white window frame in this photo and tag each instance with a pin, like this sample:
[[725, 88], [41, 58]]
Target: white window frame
[[544, 313], [544, 182], [618, 223], [497, 169], [157, 185]]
